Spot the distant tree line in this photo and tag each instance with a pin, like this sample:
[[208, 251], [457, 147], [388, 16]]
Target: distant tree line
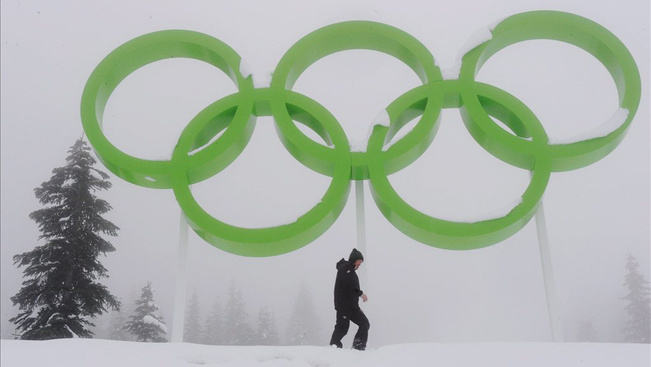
[[637, 327], [227, 324]]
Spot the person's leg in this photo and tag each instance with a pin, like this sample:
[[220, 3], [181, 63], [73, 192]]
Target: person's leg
[[361, 336], [341, 328]]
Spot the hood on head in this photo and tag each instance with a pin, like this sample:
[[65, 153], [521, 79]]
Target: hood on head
[[355, 255]]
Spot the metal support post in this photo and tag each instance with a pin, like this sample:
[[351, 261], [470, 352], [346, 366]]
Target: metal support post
[[361, 226], [178, 319], [553, 310]]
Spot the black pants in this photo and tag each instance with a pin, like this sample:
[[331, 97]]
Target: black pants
[[344, 317]]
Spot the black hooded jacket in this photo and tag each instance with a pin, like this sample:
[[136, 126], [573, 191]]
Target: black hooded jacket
[[347, 290]]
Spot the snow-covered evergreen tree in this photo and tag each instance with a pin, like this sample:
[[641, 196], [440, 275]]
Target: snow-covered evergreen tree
[[144, 324], [303, 328], [61, 293], [237, 330], [266, 333], [638, 327], [192, 327], [213, 332], [587, 332]]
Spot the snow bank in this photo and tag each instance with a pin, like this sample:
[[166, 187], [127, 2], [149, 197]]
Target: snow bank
[[105, 353]]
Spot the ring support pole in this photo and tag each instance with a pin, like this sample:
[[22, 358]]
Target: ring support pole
[[553, 310], [178, 320], [361, 224]]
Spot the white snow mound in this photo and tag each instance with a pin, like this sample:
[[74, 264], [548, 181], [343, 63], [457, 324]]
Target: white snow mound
[[107, 353]]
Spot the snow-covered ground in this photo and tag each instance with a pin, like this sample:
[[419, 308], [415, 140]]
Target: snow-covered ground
[[98, 353]]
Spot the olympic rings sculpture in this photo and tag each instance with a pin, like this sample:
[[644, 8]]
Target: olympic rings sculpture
[[196, 157]]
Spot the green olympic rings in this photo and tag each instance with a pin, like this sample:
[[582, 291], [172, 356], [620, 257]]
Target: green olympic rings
[[576, 31], [286, 107], [197, 156], [457, 235], [142, 51]]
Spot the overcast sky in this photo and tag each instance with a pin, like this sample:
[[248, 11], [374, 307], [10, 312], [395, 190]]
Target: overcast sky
[[595, 215]]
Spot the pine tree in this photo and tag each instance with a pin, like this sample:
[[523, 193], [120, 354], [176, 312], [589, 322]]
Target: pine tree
[[192, 331], [213, 332], [144, 324], [638, 327], [586, 332], [61, 292], [266, 333], [237, 330], [303, 326]]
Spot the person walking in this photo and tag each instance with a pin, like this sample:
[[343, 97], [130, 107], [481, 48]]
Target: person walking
[[347, 295]]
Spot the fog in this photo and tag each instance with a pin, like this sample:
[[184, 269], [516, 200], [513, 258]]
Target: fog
[[595, 215]]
